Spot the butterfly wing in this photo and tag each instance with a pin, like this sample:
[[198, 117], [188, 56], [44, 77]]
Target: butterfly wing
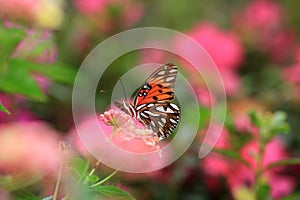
[[161, 118], [159, 87], [152, 104]]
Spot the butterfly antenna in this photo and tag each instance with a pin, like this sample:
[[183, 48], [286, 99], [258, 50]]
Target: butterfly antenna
[[123, 88]]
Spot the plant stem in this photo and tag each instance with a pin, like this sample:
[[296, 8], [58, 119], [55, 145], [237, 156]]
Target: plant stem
[[58, 181], [91, 172], [105, 179], [259, 169]]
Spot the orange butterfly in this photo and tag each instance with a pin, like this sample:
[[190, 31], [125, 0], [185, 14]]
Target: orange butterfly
[[152, 104]]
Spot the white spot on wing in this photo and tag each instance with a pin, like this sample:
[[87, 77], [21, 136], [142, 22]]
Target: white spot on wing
[[160, 123], [152, 114], [173, 121], [163, 120], [173, 70], [143, 115], [150, 105], [170, 78], [161, 109], [174, 106], [140, 106], [153, 123], [161, 131], [161, 73]]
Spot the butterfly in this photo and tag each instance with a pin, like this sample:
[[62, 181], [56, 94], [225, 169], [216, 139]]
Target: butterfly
[[152, 104]]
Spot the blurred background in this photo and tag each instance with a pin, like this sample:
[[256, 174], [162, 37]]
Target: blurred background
[[255, 45]]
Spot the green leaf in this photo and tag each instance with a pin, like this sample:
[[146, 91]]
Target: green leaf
[[290, 161], [278, 123], [294, 196], [25, 195], [56, 71], [113, 192], [80, 167], [17, 80], [231, 154], [9, 38], [270, 124], [263, 191], [3, 109], [93, 179]]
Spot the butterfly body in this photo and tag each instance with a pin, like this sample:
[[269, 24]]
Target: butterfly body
[[152, 104]]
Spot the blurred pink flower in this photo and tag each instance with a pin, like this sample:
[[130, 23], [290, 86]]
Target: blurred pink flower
[[239, 110], [118, 144], [224, 48], [261, 25], [260, 15], [107, 15], [90, 7], [130, 134], [216, 164], [297, 54], [17, 114], [132, 12], [291, 74], [121, 130], [34, 12], [280, 46], [19, 9], [238, 175], [274, 151], [29, 148]]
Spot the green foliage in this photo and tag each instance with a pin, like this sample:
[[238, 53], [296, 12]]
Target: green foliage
[[58, 72], [9, 38], [269, 124], [93, 184], [25, 195], [16, 75], [17, 80], [289, 161], [230, 153], [3, 109], [263, 190], [113, 192]]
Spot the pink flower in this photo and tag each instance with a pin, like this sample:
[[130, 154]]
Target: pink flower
[[261, 25], [238, 175], [17, 113], [130, 134], [90, 7], [280, 45], [19, 9], [224, 47], [29, 148], [215, 164], [274, 152], [121, 130], [260, 15], [297, 56], [34, 12], [118, 140], [107, 15], [291, 74], [239, 110]]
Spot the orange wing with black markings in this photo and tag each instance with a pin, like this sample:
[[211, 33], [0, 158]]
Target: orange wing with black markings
[[158, 87]]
